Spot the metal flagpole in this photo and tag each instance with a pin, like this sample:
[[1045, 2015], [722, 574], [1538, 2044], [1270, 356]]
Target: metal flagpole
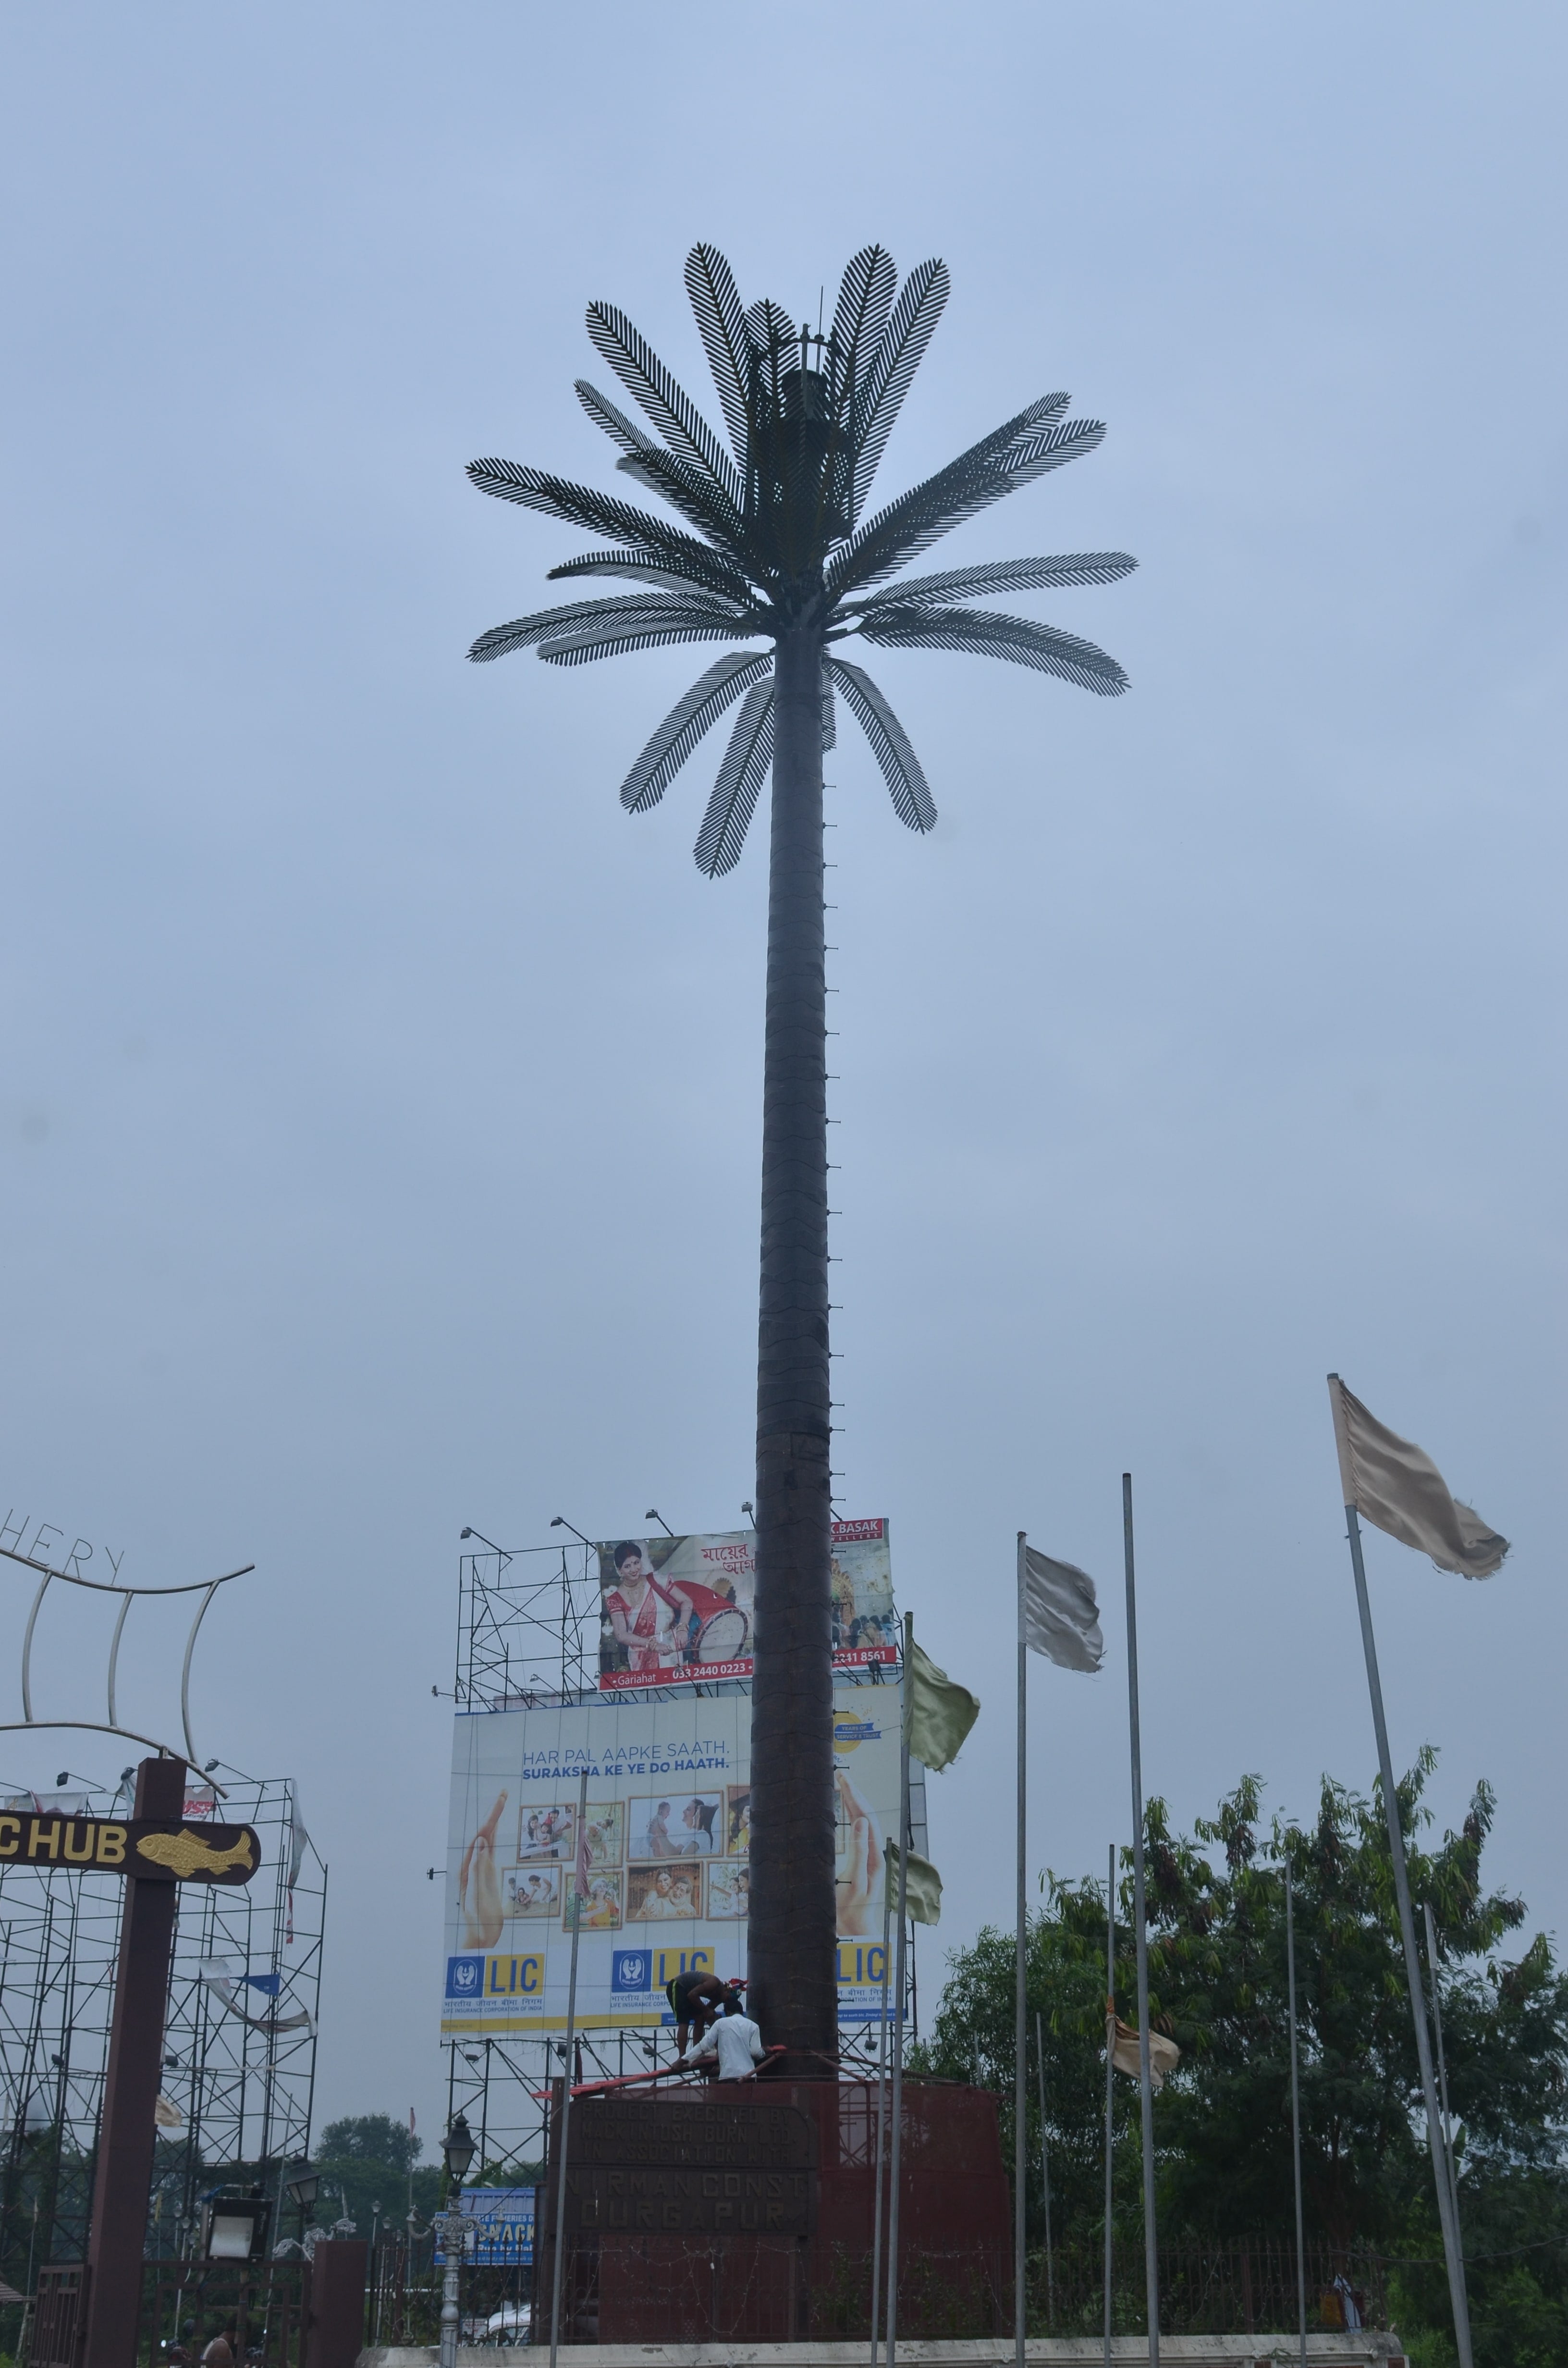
[[1109, 2078], [898, 1982], [1020, 2022], [1451, 2251], [1442, 2063], [1140, 1939], [881, 2128], [567, 2071], [1296, 2111], [1045, 2177]]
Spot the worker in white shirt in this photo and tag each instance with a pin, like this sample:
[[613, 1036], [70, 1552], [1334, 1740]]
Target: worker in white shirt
[[736, 2042]]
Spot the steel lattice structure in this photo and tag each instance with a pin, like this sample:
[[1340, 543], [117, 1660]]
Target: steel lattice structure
[[239, 2064], [528, 1624]]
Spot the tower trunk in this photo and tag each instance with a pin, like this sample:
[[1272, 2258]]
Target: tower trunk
[[793, 1980]]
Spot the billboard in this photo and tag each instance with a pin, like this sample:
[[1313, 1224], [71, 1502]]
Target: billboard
[[502, 2235], [678, 1611], [667, 1836]]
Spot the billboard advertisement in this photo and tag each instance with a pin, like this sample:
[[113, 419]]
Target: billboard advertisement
[[502, 2235], [666, 1836], [678, 1611]]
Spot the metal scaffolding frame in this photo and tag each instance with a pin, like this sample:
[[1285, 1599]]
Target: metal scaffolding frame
[[529, 1630], [239, 2062]]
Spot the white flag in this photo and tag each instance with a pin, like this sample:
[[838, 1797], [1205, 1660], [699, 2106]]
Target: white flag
[[1062, 1618], [1392, 1485], [1126, 2052]]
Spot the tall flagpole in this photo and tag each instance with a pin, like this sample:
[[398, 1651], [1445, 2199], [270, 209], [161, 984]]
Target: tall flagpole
[[1442, 2062], [881, 2128], [1020, 2023], [566, 2070], [1110, 2079], [1451, 2249], [1045, 2177], [1296, 2111], [898, 1979], [1140, 1938]]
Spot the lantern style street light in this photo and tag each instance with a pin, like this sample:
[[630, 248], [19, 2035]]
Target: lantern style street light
[[301, 2188], [457, 2151]]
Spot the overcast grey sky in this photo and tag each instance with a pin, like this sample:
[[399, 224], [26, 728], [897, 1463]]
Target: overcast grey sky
[[380, 1112]]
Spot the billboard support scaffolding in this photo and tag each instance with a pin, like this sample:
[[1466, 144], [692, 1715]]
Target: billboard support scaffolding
[[603, 1693]]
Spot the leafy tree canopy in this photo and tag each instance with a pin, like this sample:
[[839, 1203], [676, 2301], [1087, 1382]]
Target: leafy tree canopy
[[1218, 1986], [370, 2137]]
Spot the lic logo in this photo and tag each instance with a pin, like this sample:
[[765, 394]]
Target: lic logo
[[465, 1977], [633, 1969]]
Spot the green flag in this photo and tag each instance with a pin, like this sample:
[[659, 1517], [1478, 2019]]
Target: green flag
[[940, 1712], [923, 1890]]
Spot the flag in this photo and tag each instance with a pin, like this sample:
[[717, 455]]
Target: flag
[[1392, 1485], [1062, 1618], [940, 1711], [223, 1977], [1125, 2054], [165, 2115], [921, 1890]]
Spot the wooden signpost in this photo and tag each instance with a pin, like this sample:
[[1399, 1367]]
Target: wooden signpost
[[155, 1849]]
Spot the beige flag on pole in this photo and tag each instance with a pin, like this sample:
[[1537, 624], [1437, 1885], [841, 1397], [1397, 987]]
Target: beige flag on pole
[[922, 1886], [1125, 2054], [1392, 1485]]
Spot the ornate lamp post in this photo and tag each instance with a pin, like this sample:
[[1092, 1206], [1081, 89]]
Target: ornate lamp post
[[457, 2150], [301, 2188]]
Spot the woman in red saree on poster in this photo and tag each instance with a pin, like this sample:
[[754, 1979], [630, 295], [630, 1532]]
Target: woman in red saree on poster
[[649, 1617]]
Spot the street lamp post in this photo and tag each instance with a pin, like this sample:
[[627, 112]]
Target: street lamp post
[[458, 2152], [301, 2189]]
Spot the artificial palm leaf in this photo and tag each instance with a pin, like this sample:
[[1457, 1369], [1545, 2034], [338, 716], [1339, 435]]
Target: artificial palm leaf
[[741, 776], [534, 489], [713, 514], [643, 570], [550, 624], [1003, 576], [829, 720], [985, 636], [670, 408], [907, 785], [860, 316], [577, 649], [721, 323], [685, 724], [897, 358], [983, 473]]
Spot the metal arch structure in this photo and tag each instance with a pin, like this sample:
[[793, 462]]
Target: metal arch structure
[[206, 1588], [239, 2066]]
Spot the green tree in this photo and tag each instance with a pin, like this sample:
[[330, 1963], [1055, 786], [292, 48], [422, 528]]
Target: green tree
[[371, 2158], [1218, 1986], [773, 547]]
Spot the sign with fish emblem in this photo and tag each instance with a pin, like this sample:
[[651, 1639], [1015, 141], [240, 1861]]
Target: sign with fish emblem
[[156, 1848]]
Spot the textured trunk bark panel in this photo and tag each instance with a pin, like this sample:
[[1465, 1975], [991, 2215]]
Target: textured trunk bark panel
[[791, 1948]]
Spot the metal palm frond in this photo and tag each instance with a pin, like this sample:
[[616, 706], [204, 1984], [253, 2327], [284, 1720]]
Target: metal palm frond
[[901, 768], [671, 411], [1001, 575], [985, 636], [581, 616], [684, 726], [770, 540], [741, 776]]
